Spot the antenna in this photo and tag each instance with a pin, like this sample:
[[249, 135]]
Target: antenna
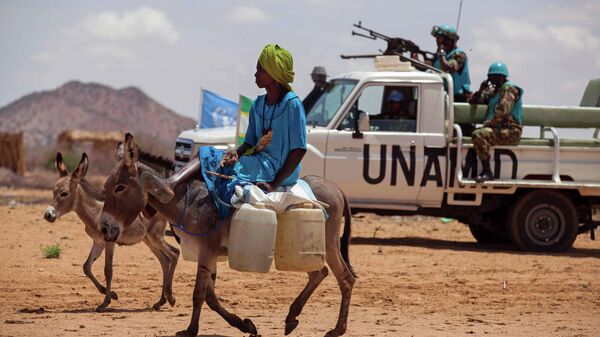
[[459, 11]]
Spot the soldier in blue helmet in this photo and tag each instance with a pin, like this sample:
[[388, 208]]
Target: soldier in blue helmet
[[503, 122], [453, 60]]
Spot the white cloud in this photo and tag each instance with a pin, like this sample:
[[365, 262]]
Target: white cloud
[[324, 3], [108, 51], [549, 51], [576, 38], [247, 14], [139, 23], [44, 57]]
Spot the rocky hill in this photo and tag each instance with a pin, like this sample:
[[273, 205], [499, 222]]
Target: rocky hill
[[42, 116]]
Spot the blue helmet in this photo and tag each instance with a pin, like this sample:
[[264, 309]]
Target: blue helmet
[[498, 68], [395, 96], [445, 30]]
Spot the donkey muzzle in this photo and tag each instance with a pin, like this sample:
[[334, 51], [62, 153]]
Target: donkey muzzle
[[110, 231], [50, 214]]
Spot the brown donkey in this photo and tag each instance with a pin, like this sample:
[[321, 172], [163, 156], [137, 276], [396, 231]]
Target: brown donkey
[[130, 187], [73, 193]]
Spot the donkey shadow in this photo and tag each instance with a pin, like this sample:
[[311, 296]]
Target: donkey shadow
[[107, 310], [198, 336]]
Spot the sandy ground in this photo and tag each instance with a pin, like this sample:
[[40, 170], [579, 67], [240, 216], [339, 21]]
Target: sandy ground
[[418, 277]]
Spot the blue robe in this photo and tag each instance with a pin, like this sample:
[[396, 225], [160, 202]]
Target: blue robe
[[287, 120]]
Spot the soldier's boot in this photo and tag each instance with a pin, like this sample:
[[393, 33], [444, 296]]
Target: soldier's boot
[[486, 172], [163, 189]]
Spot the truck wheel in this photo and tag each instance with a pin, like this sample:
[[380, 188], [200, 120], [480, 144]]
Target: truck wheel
[[543, 221], [484, 235]]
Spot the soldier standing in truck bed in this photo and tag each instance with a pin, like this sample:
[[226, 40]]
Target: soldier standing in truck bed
[[319, 77], [453, 60], [503, 122]]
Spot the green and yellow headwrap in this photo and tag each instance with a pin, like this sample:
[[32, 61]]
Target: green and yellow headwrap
[[279, 63]]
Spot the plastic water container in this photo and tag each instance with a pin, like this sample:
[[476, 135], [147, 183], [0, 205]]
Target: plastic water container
[[189, 251], [300, 239], [252, 238], [189, 248]]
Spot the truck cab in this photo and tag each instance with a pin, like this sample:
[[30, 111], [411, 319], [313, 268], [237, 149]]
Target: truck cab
[[337, 148]]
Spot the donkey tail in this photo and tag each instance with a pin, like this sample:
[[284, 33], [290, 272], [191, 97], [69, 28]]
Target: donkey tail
[[347, 235]]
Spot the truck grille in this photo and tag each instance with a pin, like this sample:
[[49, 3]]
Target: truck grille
[[183, 152]]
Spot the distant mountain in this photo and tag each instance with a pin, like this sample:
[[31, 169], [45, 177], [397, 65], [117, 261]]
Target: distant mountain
[[42, 116]]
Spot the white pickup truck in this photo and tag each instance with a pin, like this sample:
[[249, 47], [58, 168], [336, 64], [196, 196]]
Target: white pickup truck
[[546, 191]]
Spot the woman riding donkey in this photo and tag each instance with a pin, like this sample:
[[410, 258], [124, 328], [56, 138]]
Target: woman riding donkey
[[270, 158], [275, 139]]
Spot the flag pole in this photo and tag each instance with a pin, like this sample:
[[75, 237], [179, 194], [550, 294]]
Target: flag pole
[[199, 125], [237, 126]]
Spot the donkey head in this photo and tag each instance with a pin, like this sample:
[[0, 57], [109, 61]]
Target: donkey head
[[64, 192], [126, 189]]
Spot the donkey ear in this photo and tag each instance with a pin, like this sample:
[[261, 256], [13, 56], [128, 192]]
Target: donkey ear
[[131, 150], [81, 168], [120, 151], [61, 168], [156, 187]]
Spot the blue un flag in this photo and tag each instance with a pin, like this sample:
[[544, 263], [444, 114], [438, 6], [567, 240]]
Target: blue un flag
[[217, 111]]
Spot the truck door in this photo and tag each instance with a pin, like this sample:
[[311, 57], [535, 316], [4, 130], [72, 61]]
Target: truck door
[[385, 166]]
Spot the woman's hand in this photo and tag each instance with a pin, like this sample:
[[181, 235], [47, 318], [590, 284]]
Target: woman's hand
[[229, 158]]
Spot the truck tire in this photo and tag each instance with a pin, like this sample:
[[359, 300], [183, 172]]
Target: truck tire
[[484, 235], [543, 221]]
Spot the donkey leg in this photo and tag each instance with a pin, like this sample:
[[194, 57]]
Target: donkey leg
[[245, 326], [87, 269], [172, 255], [108, 260], [345, 280], [314, 279], [200, 289], [164, 265]]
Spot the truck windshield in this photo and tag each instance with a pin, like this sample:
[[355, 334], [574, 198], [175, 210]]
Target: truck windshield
[[330, 101]]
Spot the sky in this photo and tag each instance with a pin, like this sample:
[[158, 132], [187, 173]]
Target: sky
[[171, 49]]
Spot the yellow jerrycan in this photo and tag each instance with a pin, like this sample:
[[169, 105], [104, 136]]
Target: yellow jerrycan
[[252, 238], [300, 244]]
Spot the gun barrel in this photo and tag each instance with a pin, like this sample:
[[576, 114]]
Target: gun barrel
[[363, 35]]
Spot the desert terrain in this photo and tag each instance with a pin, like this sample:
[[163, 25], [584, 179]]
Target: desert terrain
[[418, 276]]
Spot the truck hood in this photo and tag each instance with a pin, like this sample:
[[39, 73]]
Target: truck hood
[[222, 135]]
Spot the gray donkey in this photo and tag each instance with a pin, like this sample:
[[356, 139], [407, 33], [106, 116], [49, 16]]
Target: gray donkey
[[132, 185], [73, 193]]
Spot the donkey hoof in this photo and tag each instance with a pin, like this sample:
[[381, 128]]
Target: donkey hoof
[[290, 326], [249, 327], [171, 300], [114, 295], [184, 333], [333, 333], [102, 307]]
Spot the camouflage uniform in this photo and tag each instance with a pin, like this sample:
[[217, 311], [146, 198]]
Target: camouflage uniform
[[501, 129]]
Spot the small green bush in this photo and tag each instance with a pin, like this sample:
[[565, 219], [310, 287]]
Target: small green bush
[[52, 251], [71, 159]]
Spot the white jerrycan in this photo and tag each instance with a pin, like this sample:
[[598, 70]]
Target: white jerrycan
[[300, 242], [190, 249], [252, 238]]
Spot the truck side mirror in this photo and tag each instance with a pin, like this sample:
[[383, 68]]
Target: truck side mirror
[[363, 121], [361, 124]]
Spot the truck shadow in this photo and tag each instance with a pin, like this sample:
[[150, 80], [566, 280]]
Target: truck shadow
[[412, 241]]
